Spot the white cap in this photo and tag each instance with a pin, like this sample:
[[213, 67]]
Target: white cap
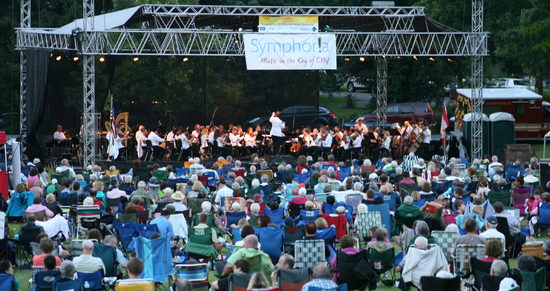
[[508, 284], [373, 176]]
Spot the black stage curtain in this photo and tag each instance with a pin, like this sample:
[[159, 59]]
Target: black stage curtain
[[38, 61]]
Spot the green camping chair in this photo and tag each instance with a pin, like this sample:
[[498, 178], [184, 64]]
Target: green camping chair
[[200, 244], [210, 222], [406, 189], [161, 175], [108, 255], [195, 204], [382, 263], [128, 217], [504, 197], [64, 174], [532, 281], [251, 192]]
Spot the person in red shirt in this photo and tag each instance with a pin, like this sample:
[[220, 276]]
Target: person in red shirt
[[137, 201], [301, 199], [257, 198], [46, 246], [93, 195]]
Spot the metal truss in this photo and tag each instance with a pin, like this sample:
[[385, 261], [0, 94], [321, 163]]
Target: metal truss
[[382, 91], [398, 23], [25, 23], [89, 127], [477, 83], [187, 10], [172, 42]]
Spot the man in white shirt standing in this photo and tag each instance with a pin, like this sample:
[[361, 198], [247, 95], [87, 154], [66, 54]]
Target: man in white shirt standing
[[426, 141], [140, 139], [277, 126], [158, 152]]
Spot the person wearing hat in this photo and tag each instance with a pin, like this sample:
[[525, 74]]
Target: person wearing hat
[[179, 201], [491, 224], [289, 223], [208, 168], [508, 284]]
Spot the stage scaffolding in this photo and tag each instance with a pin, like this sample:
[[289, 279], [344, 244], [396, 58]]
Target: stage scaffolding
[[197, 30]]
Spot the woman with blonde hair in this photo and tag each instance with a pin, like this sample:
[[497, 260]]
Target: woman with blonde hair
[[258, 282], [196, 190], [321, 223]]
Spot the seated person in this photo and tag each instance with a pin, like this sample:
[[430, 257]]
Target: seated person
[[37, 207], [311, 229], [421, 228], [258, 281], [380, 244], [203, 223], [46, 246], [347, 246], [241, 266], [286, 262], [301, 199], [246, 231], [493, 249], [67, 273], [499, 268], [52, 204], [86, 263], [135, 268], [419, 243], [257, 198], [471, 237]]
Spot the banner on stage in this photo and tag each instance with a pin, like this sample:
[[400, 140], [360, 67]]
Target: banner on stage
[[288, 24], [290, 51]]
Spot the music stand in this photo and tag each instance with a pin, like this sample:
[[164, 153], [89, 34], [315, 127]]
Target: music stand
[[393, 131]]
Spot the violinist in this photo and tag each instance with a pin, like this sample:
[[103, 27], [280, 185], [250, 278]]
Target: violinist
[[234, 138], [309, 142], [250, 141], [204, 139], [343, 140], [116, 147], [356, 139], [186, 144], [326, 143], [386, 143], [196, 131], [361, 127], [140, 139], [426, 141], [224, 147]]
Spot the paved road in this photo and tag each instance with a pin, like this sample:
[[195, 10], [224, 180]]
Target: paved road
[[362, 98]]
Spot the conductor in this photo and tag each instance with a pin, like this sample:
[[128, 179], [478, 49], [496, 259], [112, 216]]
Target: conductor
[[277, 126]]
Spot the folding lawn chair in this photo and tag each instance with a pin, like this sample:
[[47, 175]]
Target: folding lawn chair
[[157, 259]]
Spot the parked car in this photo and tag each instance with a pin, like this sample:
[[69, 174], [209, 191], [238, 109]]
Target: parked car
[[401, 112], [353, 84], [300, 116]]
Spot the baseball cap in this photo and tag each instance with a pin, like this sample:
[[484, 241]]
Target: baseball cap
[[36, 161], [441, 197], [302, 185], [257, 197], [153, 180], [288, 221], [492, 220], [31, 164], [208, 165], [373, 176], [508, 284]]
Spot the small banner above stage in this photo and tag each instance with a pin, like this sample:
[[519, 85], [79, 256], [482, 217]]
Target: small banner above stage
[[288, 24], [290, 51]]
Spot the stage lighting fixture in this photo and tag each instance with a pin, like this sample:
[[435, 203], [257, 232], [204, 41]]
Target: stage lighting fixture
[[228, 59], [75, 58], [450, 60], [240, 29], [432, 59], [414, 57], [185, 60], [346, 59], [58, 58], [136, 59], [384, 56], [362, 59], [101, 59], [51, 55]]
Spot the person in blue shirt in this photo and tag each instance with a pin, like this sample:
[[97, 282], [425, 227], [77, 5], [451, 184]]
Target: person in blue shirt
[[164, 225]]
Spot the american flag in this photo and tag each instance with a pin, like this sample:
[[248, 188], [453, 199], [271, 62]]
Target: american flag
[[444, 125], [113, 119]]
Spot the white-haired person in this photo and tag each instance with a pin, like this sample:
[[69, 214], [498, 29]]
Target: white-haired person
[[206, 208], [86, 263], [301, 199], [256, 184]]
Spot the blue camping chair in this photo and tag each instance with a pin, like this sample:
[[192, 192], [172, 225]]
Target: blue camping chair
[[7, 282], [544, 215], [512, 171], [281, 176], [43, 280], [233, 218], [391, 200], [292, 235], [126, 233], [327, 208], [326, 234], [94, 279], [348, 207], [344, 173], [271, 239], [211, 179], [236, 234], [180, 172], [73, 285], [82, 183], [429, 197], [420, 202], [309, 215], [275, 214], [145, 230], [267, 189], [302, 178], [157, 258]]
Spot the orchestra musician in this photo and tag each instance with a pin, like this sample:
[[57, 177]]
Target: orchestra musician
[[372, 143], [326, 142], [250, 141], [158, 152], [385, 146], [196, 131], [204, 139], [343, 140], [220, 137], [187, 143], [361, 127], [141, 137], [309, 142], [234, 140], [116, 147], [59, 136]]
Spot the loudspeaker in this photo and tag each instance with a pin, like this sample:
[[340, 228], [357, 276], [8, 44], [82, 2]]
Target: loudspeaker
[[544, 172]]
